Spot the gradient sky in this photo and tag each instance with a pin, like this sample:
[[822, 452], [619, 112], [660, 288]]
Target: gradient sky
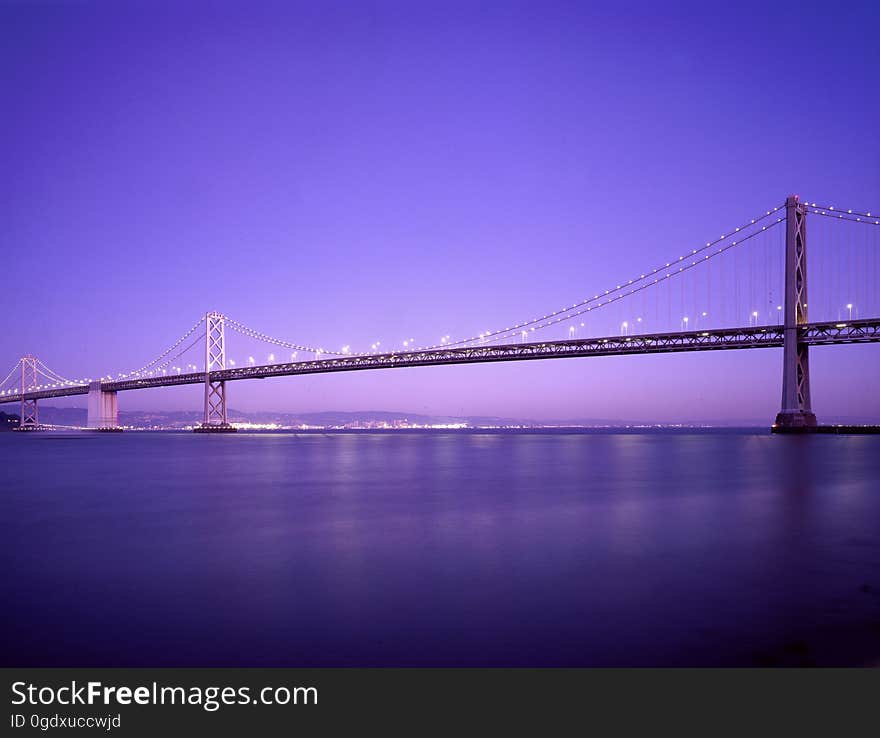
[[338, 173]]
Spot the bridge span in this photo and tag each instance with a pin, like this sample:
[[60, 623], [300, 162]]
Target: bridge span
[[788, 328], [768, 336]]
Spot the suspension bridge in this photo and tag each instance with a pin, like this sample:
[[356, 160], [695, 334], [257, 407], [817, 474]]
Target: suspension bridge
[[745, 289]]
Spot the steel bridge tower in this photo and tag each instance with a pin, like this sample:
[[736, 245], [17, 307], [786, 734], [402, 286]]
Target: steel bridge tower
[[796, 409], [215, 391], [28, 420]]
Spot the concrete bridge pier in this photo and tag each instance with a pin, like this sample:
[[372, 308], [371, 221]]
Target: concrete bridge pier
[[103, 410]]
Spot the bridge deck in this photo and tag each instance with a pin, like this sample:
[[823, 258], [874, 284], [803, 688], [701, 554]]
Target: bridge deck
[[813, 334]]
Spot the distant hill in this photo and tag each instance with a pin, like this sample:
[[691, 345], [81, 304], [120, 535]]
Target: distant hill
[[8, 421], [178, 418], [68, 416]]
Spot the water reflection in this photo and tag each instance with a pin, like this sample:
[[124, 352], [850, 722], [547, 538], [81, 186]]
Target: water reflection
[[406, 549]]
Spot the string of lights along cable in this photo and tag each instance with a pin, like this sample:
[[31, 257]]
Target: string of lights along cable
[[733, 281]]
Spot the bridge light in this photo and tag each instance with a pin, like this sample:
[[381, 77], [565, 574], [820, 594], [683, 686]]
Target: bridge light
[[251, 360]]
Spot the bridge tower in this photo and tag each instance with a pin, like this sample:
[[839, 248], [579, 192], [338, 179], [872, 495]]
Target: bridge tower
[[28, 420], [796, 409], [215, 391]]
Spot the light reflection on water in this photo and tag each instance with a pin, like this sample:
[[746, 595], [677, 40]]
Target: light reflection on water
[[440, 549]]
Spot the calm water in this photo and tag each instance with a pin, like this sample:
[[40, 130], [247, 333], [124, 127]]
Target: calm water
[[439, 549]]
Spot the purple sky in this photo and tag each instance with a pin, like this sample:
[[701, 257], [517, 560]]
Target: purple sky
[[345, 173]]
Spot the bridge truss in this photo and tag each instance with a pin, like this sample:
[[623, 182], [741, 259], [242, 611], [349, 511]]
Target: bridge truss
[[814, 334]]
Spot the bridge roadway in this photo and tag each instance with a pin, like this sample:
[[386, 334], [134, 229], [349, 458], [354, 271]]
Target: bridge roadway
[[813, 334]]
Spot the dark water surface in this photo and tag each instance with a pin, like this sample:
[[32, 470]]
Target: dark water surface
[[144, 549]]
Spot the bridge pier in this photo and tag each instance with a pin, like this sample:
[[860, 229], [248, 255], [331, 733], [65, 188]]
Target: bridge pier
[[796, 412], [215, 391], [103, 410]]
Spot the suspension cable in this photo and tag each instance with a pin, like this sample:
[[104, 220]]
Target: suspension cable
[[52, 372], [597, 301], [865, 218], [176, 356], [13, 371], [490, 335], [510, 332], [170, 349], [840, 211], [239, 327]]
